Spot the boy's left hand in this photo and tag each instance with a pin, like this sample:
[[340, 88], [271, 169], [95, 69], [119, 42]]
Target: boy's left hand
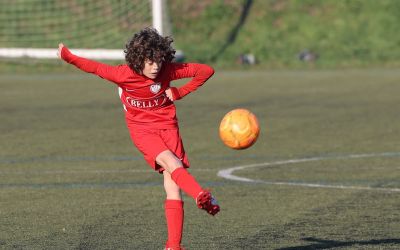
[[172, 94], [168, 93]]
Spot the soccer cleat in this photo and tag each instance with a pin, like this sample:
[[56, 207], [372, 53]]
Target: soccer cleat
[[207, 202], [173, 247]]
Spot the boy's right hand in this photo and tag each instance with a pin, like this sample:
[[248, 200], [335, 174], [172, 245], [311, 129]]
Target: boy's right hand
[[60, 47]]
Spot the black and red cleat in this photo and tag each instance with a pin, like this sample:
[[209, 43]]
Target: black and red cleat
[[207, 202]]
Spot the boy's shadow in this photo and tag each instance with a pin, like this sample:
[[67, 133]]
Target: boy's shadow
[[326, 244]]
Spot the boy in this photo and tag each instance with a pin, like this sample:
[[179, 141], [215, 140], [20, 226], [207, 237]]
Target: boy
[[150, 114]]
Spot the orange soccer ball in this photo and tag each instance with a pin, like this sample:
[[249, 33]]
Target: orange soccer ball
[[239, 129]]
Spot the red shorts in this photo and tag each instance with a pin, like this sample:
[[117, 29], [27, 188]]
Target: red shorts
[[151, 142]]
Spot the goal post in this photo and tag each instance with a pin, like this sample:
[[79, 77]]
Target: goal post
[[96, 29], [157, 11]]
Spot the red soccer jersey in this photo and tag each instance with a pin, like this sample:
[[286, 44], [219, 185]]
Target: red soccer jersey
[[144, 99]]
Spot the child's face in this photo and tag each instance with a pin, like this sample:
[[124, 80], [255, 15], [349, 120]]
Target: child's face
[[151, 69]]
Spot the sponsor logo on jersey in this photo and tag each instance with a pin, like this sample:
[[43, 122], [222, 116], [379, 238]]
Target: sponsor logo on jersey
[[155, 88], [147, 103]]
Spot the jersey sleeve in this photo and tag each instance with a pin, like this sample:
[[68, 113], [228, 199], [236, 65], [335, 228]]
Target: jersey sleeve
[[108, 72], [199, 73]]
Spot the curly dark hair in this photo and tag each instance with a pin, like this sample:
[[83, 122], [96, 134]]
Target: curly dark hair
[[148, 44]]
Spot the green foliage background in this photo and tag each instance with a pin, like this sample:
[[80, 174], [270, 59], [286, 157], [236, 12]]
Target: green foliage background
[[343, 33]]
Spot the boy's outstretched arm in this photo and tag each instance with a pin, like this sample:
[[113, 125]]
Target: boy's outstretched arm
[[105, 71]]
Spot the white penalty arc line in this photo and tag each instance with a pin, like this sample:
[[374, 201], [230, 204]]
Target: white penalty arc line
[[228, 173]]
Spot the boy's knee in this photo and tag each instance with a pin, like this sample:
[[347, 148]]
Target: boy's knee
[[173, 165], [168, 161]]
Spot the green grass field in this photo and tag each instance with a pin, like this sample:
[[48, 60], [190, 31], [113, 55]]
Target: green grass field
[[326, 171]]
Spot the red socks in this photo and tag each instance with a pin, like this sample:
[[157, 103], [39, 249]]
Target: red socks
[[174, 208], [174, 215], [186, 182]]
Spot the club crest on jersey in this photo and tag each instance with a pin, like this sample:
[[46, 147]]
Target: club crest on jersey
[[155, 88]]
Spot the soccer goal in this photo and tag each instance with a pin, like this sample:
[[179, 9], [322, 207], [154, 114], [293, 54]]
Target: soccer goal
[[96, 29]]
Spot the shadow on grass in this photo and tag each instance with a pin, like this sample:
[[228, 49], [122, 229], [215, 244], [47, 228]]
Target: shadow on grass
[[235, 31], [326, 244]]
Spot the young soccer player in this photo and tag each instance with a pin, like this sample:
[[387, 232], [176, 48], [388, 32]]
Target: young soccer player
[[150, 114]]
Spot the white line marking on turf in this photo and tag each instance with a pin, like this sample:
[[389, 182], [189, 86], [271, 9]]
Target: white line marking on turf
[[228, 173], [88, 171]]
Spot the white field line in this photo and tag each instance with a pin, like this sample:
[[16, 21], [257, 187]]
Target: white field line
[[87, 171], [228, 173]]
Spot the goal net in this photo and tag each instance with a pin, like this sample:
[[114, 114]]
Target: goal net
[[93, 28]]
